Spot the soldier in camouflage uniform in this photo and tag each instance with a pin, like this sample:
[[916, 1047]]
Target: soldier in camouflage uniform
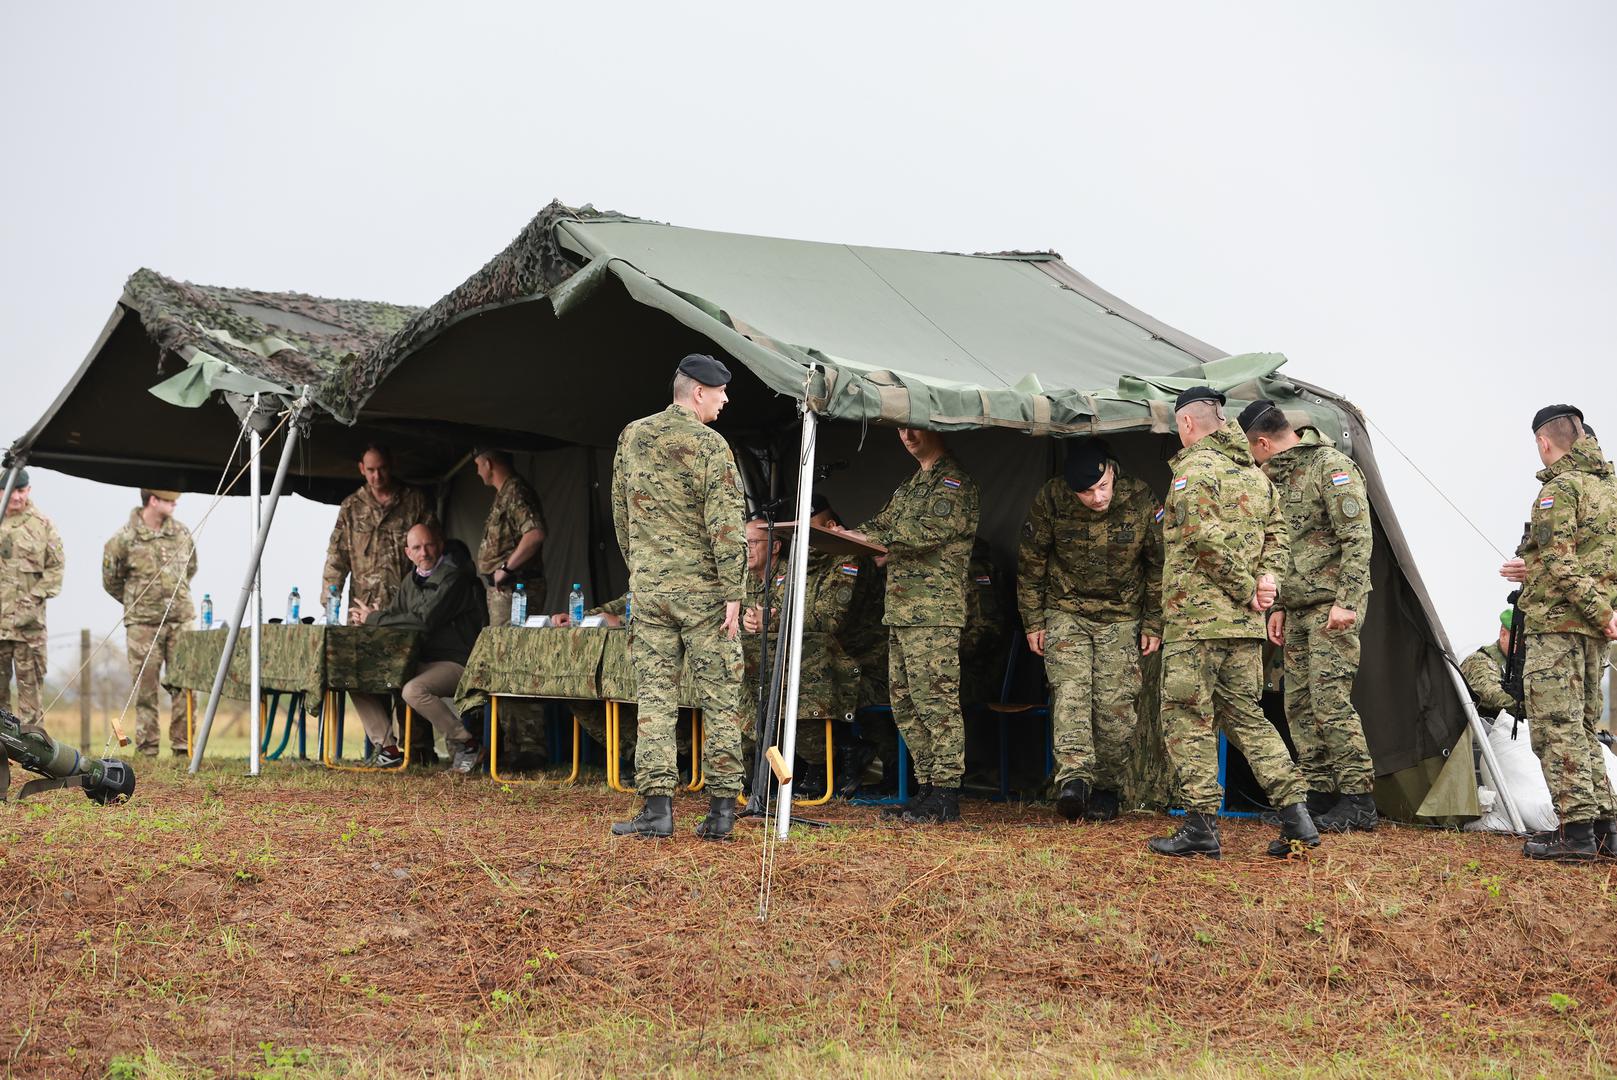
[[31, 563], [591, 715], [982, 639], [1323, 599], [512, 554], [928, 527], [1484, 672], [367, 542], [861, 672], [1567, 564], [147, 567], [1224, 549], [1090, 593], [679, 513]]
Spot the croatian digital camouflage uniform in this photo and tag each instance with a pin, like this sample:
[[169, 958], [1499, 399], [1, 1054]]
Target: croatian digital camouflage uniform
[[367, 543], [591, 715], [31, 564], [1571, 556], [1092, 581], [1483, 672], [678, 510], [1328, 518], [982, 639], [515, 511], [1222, 529], [142, 568], [928, 527]]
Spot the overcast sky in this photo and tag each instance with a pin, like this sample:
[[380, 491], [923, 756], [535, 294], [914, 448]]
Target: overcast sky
[[1412, 201]]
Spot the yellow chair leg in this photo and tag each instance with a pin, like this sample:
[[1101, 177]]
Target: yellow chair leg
[[830, 774], [190, 719], [698, 781], [572, 777], [328, 744], [614, 740], [494, 748]]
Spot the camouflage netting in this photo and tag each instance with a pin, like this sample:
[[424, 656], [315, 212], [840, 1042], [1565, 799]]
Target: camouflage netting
[[530, 266], [286, 338]]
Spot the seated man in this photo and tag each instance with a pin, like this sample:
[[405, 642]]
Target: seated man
[[441, 598], [1483, 671], [591, 715]]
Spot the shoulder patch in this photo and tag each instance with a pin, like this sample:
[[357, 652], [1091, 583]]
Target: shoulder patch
[[1158, 515], [851, 569], [1351, 507], [984, 579], [1340, 477], [1179, 483], [950, 482], [1546, 502]]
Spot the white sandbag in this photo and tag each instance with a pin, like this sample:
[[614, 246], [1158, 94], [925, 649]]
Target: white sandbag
[[1524, 778]]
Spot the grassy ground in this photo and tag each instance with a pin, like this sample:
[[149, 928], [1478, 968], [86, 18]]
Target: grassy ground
[[311, 923]]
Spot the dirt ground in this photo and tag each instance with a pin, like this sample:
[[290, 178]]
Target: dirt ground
[[311, 923]]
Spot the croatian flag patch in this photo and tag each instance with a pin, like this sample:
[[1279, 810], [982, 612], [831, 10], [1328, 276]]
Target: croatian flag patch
[[1340, 478], [1546, 502], [984, 579], [851, 569], [1158, 515], [1179, 483], [950, 482]]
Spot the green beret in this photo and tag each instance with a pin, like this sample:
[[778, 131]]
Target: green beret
[[22, 479], [1505, 618]]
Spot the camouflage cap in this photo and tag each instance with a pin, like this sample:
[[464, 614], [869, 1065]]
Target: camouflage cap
[[1195, 394], [1086, 463], [705, 370], [22, 479], [166, 496], [1555, 412]]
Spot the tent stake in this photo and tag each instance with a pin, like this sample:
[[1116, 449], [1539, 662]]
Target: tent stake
[[797, 580], [234, 632]]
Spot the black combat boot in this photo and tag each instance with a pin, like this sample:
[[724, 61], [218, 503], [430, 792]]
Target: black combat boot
[[1073, 799], [656, 819], [1350, 812], [942, 805], [1575, 842], [1318, 802], [1198, 835], [1103, 806], [897, 810], [1296, 832], [720, 821], [1606, 838]]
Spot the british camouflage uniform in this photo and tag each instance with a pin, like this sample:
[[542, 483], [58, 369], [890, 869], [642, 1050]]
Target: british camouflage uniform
[[1092, 581], [1223, 528], [367, 544], [1328, 517], [678, 511], [928, 527], [1483, 672], [143, 569], [1571, 555], [31, 564], [515, 511]]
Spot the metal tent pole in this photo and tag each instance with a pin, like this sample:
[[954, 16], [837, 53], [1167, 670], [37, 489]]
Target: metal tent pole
[[234, 632], [255, 679], [11, 485], [798, 581], [1490, 764]]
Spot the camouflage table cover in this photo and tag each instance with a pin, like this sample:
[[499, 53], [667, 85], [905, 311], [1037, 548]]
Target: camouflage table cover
[[541, 662], [299, 659], [292, 660]]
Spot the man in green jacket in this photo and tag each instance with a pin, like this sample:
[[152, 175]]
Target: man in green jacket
[[442, 598], [1321, 608]]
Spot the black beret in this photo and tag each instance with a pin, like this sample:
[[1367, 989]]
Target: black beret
[[1555, 412], [1588, 428], [1251, 413], [1086, 463], [819, 504], [1197, 393], [705, 370], [22, 479]]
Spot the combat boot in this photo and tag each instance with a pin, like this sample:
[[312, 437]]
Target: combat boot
[[1575, 842], [1198, 835], [1318, 803], [720, 821], [1606, 838], [942, 805], [1103, 806], [897, 810], [1350, 812], [1073, 799], [656, 819], [1296, 832]]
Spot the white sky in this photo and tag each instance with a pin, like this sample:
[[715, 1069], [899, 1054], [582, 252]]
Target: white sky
[[1412, 201]]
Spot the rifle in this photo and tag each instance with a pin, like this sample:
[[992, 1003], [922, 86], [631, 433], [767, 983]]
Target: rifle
[[1516, 662]]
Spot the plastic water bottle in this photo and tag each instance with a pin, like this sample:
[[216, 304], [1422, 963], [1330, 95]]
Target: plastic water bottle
[[519, 606], [292, 604], [628, 607], [334, 607], [207, 612], [575, 604]]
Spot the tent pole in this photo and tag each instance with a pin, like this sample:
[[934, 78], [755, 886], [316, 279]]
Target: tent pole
[[11, 485], [255, 691], [798, 581], [1490, 764], [234, 632]]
